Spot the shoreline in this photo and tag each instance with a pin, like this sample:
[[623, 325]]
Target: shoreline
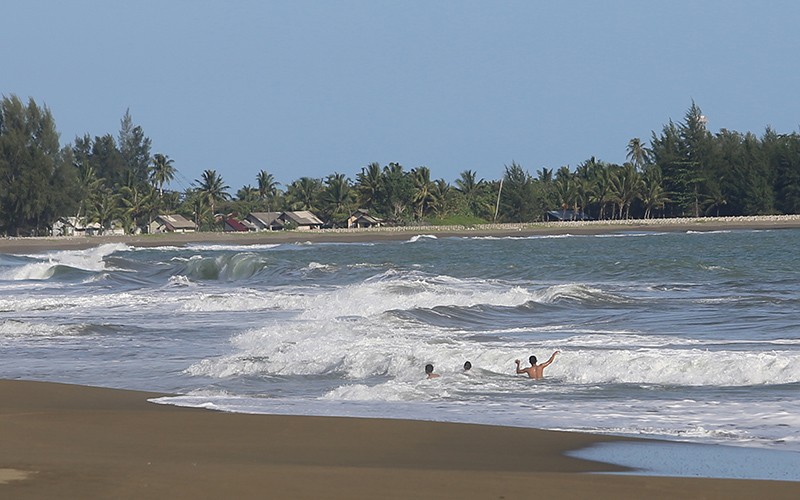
[[24, 245], [68, 441]]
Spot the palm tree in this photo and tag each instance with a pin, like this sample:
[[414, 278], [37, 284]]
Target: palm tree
[[337, 196], [638, 154], [247, 193], [653, 194], [397, 190], [423, 191], [602, 184], [161, 172], [88, 187], [267, 187], [627, 187], [566, 190], [714, 197], [105, 207], [303, 193], [136, 203], [473, 192], [442, 197], [212, 189], [369, 183]]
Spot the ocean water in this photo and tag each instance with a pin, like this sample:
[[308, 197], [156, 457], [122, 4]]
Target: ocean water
[[691, 336]]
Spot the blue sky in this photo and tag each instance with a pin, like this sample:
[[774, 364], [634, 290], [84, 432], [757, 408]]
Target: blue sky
[[308, 88]]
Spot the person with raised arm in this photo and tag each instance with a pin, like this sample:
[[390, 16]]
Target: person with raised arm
[[535, 371]]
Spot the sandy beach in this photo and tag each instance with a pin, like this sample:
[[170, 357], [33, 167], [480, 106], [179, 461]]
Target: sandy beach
[[44, 244], [65, 441]]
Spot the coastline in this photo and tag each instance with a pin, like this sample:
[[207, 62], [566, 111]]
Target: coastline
[[24, 245], [67, 441]]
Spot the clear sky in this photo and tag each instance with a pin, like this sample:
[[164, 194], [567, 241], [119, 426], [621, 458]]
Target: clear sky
[[308, 88]]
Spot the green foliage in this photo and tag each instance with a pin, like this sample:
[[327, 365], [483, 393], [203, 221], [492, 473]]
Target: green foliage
[[686, 170], [520, 197], [35, 178], [211, 190]]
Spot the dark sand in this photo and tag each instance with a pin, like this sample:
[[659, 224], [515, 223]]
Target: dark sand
[[73, 442]]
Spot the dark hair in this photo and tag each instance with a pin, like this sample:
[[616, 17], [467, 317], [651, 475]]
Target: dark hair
[[429, 368], [467, 365], [532, 359]]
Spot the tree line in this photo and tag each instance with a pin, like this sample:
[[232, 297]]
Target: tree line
[[684, 171]]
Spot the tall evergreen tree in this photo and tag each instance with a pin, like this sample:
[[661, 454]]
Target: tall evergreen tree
[[134, 148], [36, 180], [517, 198]]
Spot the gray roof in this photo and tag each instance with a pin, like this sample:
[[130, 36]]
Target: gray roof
[[176, 221], [266, 218], [303, 218]]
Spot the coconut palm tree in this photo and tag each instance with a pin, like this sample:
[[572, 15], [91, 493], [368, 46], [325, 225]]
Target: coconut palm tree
[[161, 172], [638, 154], [423, 191], [104, 207], [473, 192], [212, 189], [337, 197], [566, 189], [602, 185], [369, 183], [627, 187], [88, 187], [137, 203], [714, 198], [303, 193], [442, 197], [653, 194], [267, 187]]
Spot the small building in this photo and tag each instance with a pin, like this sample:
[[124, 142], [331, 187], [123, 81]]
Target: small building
[[361, 218], [265, 221], [76, 226], [303, 220], [68, 226], [229, 224], [172, 223]]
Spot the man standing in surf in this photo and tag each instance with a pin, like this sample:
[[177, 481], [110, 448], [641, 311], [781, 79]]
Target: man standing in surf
[[535, 371]]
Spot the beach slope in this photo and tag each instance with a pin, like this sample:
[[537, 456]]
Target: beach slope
[[69, 442]]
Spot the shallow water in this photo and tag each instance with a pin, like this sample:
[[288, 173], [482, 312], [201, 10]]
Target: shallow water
[[684, 336]]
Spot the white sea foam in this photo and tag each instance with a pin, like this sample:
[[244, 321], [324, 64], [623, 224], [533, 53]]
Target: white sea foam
[[25, 329], [421, 237], [367, 347], [231, 248], [316, 266], [243, 300], [92, 259]]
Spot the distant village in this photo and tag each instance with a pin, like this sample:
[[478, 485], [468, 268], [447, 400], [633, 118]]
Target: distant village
[[302, 220]]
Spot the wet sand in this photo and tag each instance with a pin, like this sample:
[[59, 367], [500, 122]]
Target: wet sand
[[70, 442], [44, 244]]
